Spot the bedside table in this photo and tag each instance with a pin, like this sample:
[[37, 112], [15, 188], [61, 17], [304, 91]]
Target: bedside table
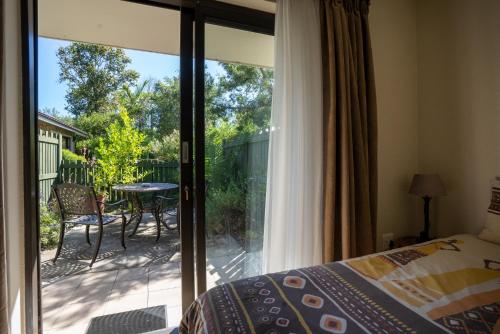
[[404, 241]]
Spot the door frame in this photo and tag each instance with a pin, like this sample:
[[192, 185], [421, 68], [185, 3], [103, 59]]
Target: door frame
[[231, 16], [186, 140], [32, 289], [197, 12]]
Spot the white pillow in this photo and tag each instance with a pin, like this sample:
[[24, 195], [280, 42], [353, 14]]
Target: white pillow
[[491, 231]]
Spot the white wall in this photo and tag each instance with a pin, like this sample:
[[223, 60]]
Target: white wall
[[459, 106], [394, 41], [12, 164], [437, 72]]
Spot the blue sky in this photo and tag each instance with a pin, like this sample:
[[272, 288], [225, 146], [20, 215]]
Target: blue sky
[[150, 65]]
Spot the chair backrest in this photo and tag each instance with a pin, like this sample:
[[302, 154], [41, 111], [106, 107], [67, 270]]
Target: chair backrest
[[75, 199]]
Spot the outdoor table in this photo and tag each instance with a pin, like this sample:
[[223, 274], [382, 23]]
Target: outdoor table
[[135, 189]]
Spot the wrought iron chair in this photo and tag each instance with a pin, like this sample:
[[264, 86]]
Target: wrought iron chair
[[78, 205], [158, 206], [168, 206]]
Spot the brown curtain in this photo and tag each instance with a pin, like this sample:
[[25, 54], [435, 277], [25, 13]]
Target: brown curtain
[[3, 263], [350, 131]]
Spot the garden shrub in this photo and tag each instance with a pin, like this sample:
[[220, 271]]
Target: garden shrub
[[118, 154], [49, 227], [166, 148], [72, 157], [225, 206]]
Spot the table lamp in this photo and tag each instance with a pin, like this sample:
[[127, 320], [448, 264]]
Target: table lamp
[[426, 186]]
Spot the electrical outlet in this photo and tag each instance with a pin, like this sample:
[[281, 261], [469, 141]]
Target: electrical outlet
[[386, 240]]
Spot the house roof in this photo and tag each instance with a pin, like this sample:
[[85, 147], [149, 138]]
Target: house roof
[[59, 124]]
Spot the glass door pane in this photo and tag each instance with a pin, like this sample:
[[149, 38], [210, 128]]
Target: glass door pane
[[110, 82], [238, 95]]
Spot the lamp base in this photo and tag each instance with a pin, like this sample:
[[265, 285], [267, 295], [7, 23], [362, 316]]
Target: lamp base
[[424, 235]]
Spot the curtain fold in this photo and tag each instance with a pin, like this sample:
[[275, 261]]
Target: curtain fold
[[350, 131], [3, 260], [293, 216]]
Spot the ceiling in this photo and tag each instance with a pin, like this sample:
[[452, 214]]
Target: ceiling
[[140, 27]]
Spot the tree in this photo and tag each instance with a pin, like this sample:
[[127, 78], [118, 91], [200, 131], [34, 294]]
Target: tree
[[137, 101], [93, 73], [165, 104], [244, 96], [118, 153], [95, 124], [165, 107]]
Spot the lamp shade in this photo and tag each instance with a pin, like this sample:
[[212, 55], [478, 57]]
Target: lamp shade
[[427, 185]]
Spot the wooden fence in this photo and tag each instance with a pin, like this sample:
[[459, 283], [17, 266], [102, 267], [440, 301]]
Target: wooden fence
[[156, 171], [54, 170], [252, 156], [50, 158]]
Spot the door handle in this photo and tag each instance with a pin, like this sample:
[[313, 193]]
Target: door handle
[[185, 152], [186, 193]]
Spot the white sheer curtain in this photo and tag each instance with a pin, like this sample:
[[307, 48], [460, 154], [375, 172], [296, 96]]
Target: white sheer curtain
[[293, 223]]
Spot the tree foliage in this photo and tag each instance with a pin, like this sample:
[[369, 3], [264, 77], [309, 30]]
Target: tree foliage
[[67, 155], [118, 154], [93, 73], [137, 101], [165, 107], [95, 124], [167, 148], [244, 96]]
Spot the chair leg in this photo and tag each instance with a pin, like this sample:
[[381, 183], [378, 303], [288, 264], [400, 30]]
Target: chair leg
[[59, 245], [136, 225], [124, 224], [97, 246], [87, 234], [158, 226]]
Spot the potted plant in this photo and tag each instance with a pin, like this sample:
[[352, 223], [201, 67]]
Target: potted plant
[[101, 186]]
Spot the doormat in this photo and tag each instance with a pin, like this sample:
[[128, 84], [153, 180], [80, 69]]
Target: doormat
[[132, 322], [171, 330]]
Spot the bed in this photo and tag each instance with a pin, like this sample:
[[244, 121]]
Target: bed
[[449, 285]]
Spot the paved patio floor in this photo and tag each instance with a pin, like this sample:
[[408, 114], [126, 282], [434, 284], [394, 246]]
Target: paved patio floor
[[146, 274]]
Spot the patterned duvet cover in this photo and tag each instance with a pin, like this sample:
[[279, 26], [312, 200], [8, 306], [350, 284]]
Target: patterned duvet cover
[[447, 285]]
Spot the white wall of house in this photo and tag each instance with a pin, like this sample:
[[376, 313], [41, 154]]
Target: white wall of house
[[13, 165]]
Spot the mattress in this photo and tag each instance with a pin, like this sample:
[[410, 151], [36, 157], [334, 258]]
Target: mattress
[[449, 285]]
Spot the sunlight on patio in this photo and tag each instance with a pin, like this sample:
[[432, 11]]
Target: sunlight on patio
[[145, 275]]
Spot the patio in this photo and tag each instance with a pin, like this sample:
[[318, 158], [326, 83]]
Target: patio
[[145, 275]]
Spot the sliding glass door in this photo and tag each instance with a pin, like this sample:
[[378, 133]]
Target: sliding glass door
[[234, 71]]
